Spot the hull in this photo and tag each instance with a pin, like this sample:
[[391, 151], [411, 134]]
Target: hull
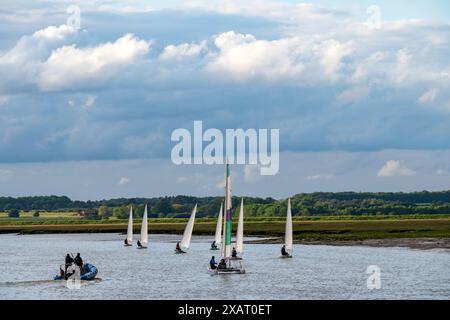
[[142, 247], [89, 274], [214, 249], [286, 257], [226, 271], [127, 245], [180, 252], [236, 258]]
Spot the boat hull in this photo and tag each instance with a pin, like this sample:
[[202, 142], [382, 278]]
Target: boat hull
[[180, 252], [236, 258], [142, 247], [226, 271], [127, 245], [286, 257], [90, 273]]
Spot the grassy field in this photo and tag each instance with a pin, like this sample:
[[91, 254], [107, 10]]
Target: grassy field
[[305, 228]]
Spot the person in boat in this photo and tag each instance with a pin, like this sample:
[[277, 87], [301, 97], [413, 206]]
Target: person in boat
[[79, 262], [214, 245], [212, 263], [61, 272], [139, 244], [68, 261], [234, 253], [222, 264], [125, 242], [178, 248], [283, 251]]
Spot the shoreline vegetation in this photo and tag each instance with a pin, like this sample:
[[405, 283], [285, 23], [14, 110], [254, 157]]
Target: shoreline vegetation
[[417, 219], [419, 232]]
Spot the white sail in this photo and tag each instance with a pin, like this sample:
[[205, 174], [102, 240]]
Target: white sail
[[130, 226], [240, 229], [289, 236], [218, 237], [144, 227], [187, 235]]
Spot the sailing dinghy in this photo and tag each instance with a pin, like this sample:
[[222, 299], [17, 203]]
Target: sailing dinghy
[[288, 238], [227, 265], [218, 236], [144, 231], [239, 234], [187, 235], [129, 239]]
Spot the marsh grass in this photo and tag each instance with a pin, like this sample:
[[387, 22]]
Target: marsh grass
[[321, 229]]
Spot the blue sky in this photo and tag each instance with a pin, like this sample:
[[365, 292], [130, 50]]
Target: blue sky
[[96, 106]]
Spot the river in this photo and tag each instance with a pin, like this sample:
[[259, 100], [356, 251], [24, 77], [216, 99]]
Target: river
[[29, 262]]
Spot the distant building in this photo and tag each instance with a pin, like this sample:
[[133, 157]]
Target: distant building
[[88, 213]]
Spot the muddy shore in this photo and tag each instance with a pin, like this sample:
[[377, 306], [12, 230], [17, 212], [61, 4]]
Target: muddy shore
[[413, 243]]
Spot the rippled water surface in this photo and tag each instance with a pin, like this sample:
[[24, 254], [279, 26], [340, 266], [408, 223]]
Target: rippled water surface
[[29, 262]]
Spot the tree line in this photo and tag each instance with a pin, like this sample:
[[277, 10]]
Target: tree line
[[320, 203]]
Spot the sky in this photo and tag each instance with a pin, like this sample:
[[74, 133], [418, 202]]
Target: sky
[[359, 92]]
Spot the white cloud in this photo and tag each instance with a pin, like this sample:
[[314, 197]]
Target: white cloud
[[394, 168], [123, 180], [90, 101], [70, 65], [320, 177], [182, 51], [29, 50], [353, 95], [53, 33], [242, 57], [429, 96]]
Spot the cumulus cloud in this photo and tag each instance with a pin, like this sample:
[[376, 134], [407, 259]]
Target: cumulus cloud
[[242, 57], [123, 181], [29, 50], [276, 71], [53, 33], [183, 51], [394, 168], [70, 65]]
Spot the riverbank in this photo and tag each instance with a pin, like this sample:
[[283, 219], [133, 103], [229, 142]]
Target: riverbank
[[413, 243], [413, 233]]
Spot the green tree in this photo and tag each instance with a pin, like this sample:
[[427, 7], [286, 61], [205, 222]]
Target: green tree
[[36, 214], [104, 212], [14, 213], [121, 212]]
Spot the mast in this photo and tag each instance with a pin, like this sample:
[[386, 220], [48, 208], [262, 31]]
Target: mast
[[226, 253], [240, 229]]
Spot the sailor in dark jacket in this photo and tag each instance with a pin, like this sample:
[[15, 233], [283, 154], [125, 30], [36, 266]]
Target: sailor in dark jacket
[[79, 262]]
